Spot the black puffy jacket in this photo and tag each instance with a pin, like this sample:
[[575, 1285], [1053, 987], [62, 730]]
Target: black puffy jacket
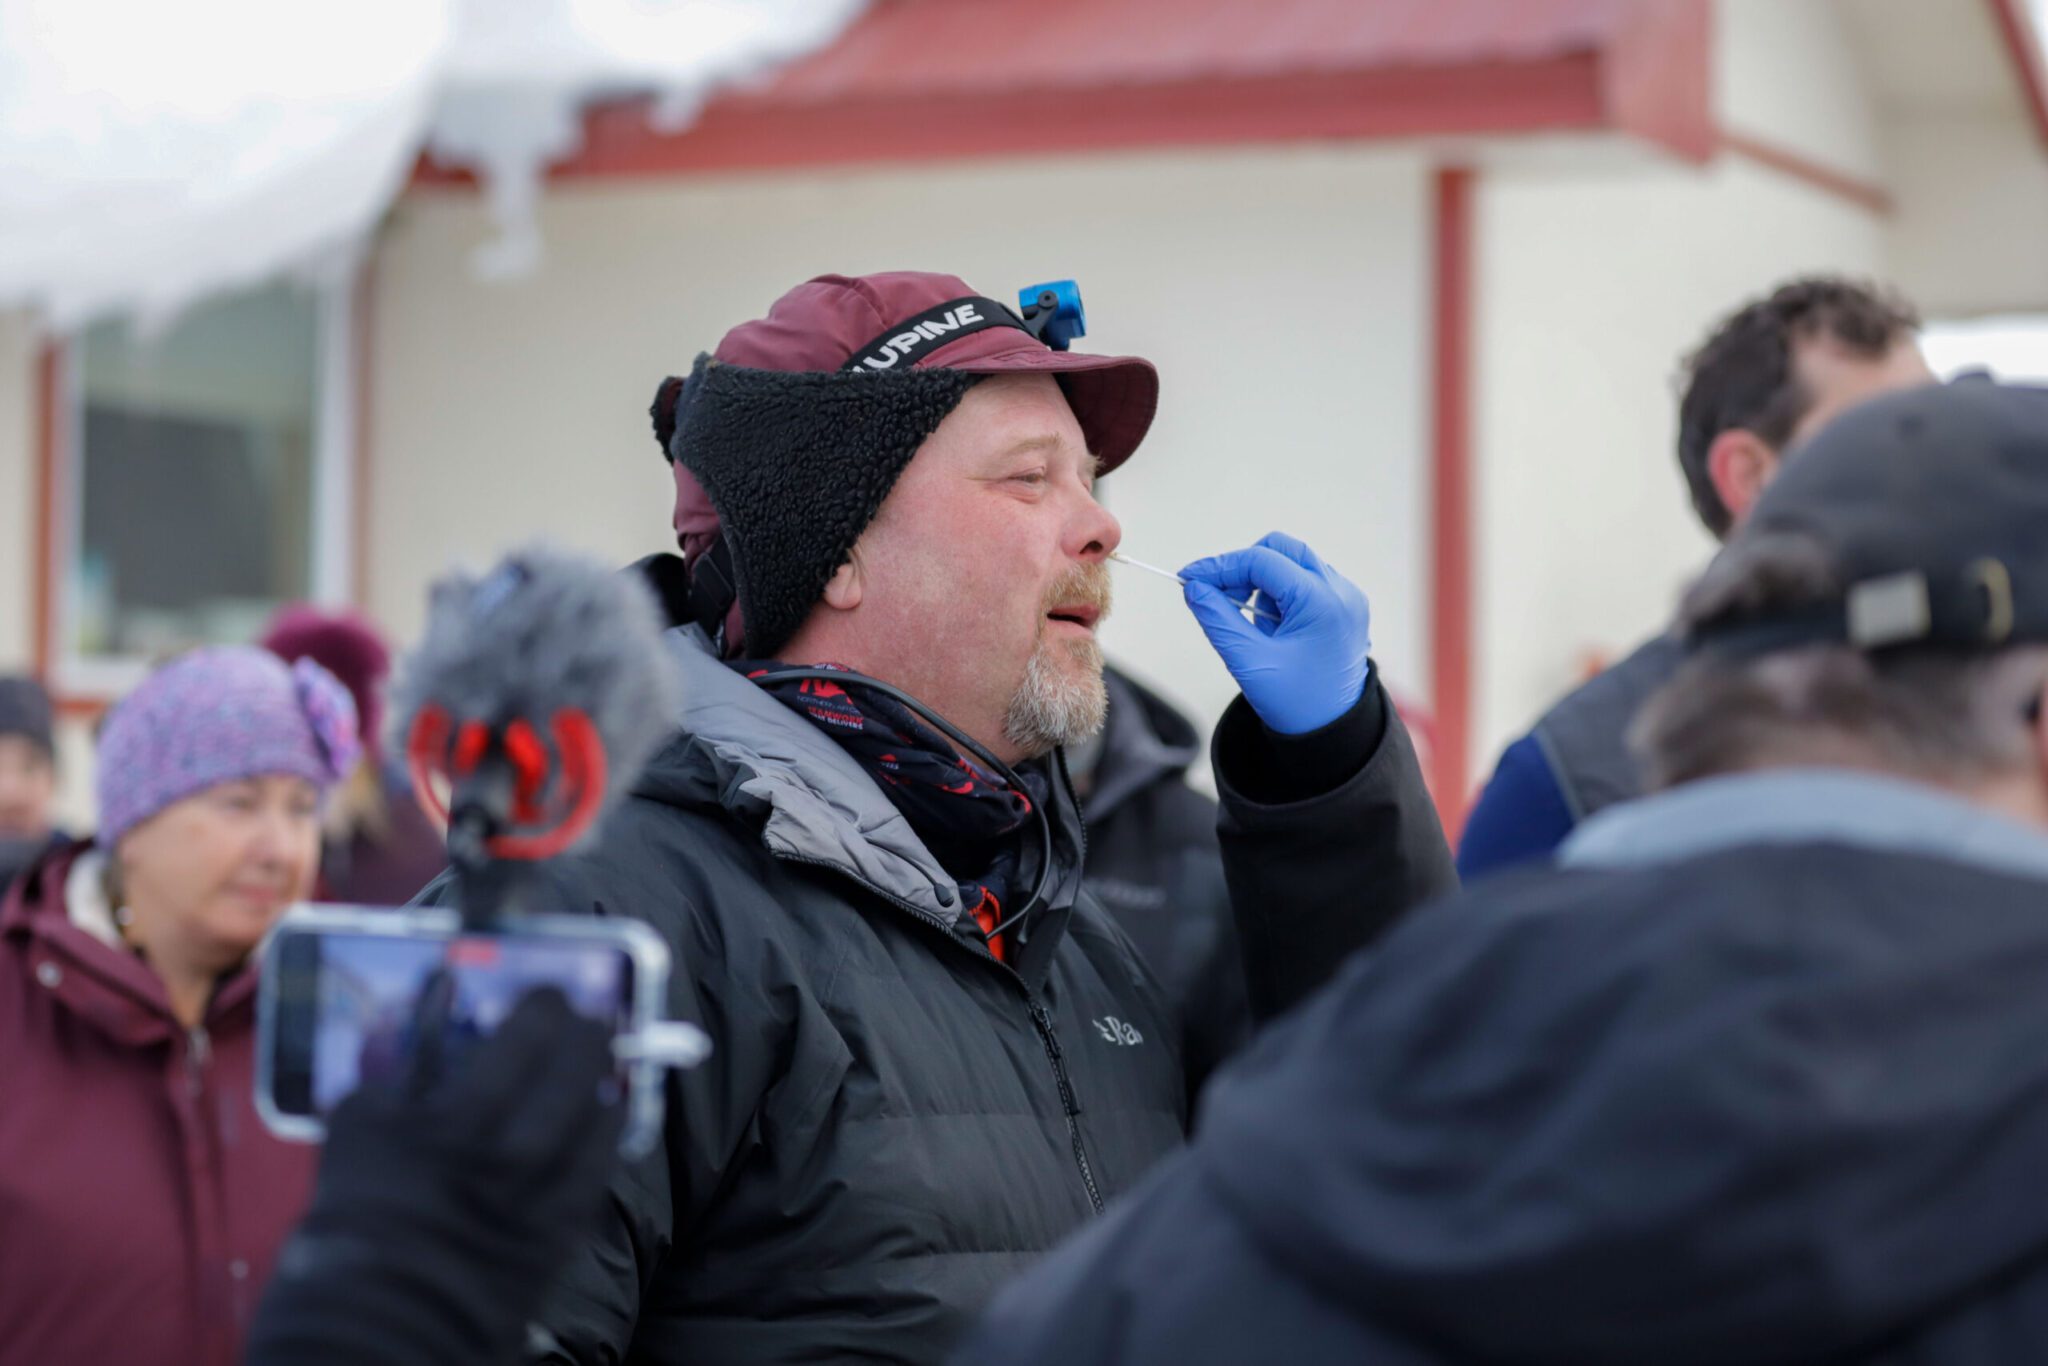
[[893, 1123], [1154, 864]]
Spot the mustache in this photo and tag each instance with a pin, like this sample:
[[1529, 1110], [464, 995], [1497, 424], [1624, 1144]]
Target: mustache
[[1084, 585]]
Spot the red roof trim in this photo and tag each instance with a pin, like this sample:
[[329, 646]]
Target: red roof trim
[[1659, 77], [1560, 94], [2023, 45], [1862, 193], [1647, 76]]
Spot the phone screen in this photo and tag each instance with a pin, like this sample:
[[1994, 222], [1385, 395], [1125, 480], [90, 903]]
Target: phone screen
[[347, 1001]]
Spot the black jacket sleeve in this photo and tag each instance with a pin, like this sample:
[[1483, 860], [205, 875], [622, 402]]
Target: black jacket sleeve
[[1328, 839]]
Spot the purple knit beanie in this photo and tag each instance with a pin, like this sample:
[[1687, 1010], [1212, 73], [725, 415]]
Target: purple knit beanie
[[218, 715]]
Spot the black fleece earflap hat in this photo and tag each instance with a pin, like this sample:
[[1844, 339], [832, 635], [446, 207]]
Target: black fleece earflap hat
[[786, 441]]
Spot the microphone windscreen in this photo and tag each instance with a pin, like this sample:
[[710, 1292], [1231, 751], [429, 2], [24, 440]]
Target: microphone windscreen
[[542, 631]]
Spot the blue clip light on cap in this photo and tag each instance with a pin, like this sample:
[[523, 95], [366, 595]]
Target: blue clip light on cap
[[1053, 313]]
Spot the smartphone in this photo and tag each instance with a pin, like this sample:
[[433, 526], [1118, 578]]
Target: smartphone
[[338, 1002]]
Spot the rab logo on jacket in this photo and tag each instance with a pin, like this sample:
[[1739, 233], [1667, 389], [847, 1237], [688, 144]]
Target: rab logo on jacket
[[1117, 1032]]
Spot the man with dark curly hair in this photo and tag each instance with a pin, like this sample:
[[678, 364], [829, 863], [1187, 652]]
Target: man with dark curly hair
[[1767, 377]]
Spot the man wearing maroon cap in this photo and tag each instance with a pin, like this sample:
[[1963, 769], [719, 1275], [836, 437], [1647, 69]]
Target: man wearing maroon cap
[[935, 1055]]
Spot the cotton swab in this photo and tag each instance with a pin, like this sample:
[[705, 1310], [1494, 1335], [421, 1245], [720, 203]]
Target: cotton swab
[[1257, 610]]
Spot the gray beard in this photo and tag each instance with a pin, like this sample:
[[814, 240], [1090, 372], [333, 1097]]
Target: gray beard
[[1060, 702]]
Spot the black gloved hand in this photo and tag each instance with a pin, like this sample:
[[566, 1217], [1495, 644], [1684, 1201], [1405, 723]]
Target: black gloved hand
[[444, 1207]]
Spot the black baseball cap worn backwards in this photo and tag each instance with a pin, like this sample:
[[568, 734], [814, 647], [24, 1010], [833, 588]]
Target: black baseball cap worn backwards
[[1933, 504]]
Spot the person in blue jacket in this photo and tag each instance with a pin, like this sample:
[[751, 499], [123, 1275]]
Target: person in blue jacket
[[1766, 378]]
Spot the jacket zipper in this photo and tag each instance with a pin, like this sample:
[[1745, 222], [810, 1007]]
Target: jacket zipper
[[1041, 1018], [1080, 824], [198, 1048]]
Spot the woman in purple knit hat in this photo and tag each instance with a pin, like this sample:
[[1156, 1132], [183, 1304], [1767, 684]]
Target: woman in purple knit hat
[[141, 1200]]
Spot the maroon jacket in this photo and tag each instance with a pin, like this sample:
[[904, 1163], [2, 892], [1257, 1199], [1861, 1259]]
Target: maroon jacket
[[141, 1199]]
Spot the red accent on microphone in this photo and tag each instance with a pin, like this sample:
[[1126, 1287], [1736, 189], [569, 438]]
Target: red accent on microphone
[[529, 769], [423, 749], [583, 773], [578, 786], [472, 742]]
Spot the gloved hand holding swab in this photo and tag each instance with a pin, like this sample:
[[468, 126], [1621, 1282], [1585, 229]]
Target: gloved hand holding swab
[[1256, 609], [1303, 672]]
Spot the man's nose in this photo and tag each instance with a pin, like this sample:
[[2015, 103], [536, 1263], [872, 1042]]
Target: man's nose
[[1096, 533]]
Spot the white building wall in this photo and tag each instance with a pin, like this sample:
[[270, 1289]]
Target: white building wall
[[1589, 294], [1786, 71], [1282, 294], [1971, 236]]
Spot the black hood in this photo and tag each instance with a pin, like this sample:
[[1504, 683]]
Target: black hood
[[1769, 1104], [1144, 741]]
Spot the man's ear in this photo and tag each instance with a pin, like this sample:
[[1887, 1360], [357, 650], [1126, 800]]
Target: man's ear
[[843, 590], [2037, 724], [1739, 464]]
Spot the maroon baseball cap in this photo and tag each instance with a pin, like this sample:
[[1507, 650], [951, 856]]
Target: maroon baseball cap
[[906, 320], [915, 320]]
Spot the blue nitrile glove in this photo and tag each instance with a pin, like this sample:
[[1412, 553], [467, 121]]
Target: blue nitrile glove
[[1305, 670]]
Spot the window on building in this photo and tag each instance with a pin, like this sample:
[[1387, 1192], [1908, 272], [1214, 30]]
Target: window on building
[[204, 482]]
